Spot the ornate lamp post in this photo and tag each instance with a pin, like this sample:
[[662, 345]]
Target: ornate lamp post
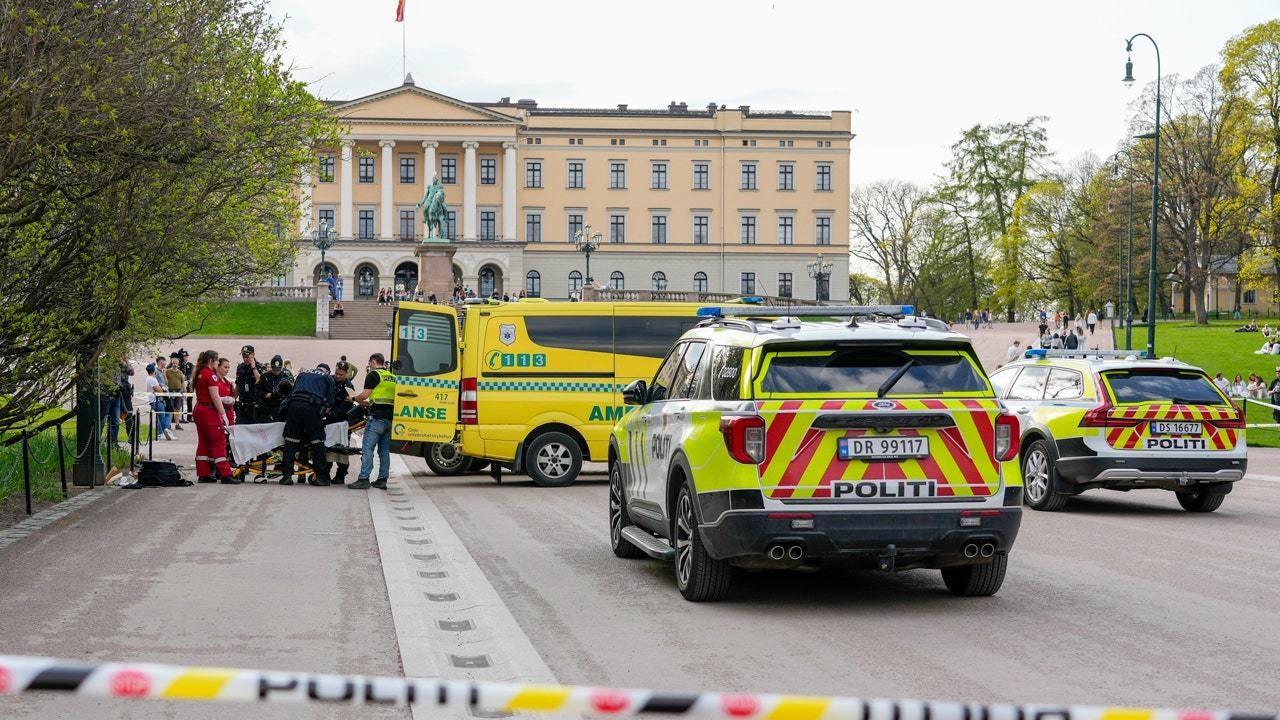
[[324, 238], [819, 270], [1155, 189], [587, 243]]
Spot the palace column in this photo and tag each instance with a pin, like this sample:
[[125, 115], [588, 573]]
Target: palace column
[[469, 180], [508, 191], [429, 162], [385, 203], [346, 219]]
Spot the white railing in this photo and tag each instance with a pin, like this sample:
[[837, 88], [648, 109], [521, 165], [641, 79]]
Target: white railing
[[275, 292]]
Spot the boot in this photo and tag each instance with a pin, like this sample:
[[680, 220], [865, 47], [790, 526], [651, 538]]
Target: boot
[[230, 480], [359, 485], [206, 479], [318, 482], [378, 484], [286, 480], [341, 477]]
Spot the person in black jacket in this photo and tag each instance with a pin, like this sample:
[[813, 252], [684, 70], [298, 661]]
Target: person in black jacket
[[248, 373], [269, 392], [314, 393], [343, 373]]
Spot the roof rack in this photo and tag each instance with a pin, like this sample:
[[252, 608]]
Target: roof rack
[[758, 311], [1036, 353]]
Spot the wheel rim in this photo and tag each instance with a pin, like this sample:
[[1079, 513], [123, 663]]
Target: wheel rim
[[1035, 474], [684, 539], [554, 460], [447, 456], [615, 505]]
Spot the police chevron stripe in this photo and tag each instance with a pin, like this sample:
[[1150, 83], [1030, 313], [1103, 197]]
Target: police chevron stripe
[[168, 682], [536, 386], [426, 382]]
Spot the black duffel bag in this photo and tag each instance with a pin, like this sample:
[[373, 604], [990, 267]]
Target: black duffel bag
[[160, 473]]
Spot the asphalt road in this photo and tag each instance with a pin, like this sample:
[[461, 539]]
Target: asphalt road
[[1119, 599]]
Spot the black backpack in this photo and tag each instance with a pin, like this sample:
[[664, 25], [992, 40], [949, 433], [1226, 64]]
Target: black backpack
[[160, 473]]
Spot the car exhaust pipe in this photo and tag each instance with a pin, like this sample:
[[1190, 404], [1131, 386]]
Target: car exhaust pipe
[[971, 550], [777, 552], [988, 550], [795, 552]]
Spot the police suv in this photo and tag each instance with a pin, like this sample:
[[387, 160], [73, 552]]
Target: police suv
[[1116, 420], [858, 436]]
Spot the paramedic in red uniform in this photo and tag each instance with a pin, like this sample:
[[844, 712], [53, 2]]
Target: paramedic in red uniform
[[211, 423]]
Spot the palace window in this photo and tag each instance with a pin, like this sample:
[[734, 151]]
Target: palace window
[[659, 181], [450, 229], [617, 228], [408, 224], [784, 284], [366, 169], [700, 282], [533, 227], [533, 174], [366, 225], [575, 281], [324, 216], [488, 171], [823, 179], [575, 174], [449, 170], [701, 229], [748, 283], [748, 227], [822, 230], [326, 168], [408, 169], [659, 281], [786, 176], [488, 225], [617, 176], [575, 225], [786, 230], [617, 280], [533, 284], [748, 176], [658, 225], [701, 176]]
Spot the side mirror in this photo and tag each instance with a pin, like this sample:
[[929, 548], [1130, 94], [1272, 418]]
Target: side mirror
[[636, 393]]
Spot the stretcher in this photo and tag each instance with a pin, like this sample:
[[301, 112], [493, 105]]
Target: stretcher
[[261, 445]]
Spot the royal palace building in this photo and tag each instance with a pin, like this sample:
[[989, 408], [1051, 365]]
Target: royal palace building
[[707, 198]]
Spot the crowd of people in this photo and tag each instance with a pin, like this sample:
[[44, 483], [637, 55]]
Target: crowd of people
[[461, 293], [207, 394]]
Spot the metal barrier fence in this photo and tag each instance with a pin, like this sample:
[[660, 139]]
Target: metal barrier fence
[[145, 681], [24, 440]]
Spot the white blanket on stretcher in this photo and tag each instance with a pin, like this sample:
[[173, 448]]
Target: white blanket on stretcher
[[250, 441]]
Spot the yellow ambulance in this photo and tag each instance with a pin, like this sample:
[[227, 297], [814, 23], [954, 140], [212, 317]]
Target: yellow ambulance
[[532, 387]]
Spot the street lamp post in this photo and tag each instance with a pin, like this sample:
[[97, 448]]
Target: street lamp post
[[1126, 315], [1155, 189], [819, 270], [587, 243], [324, 237]]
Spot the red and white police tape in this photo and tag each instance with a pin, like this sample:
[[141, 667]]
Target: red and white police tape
[[171, 682]]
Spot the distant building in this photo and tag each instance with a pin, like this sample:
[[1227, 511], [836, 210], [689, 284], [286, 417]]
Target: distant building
[[1223, 283], [711, 198]]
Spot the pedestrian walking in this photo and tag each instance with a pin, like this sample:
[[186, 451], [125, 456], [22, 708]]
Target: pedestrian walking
[[188, 372], [211, 423], [379, 394], [1092, 321]]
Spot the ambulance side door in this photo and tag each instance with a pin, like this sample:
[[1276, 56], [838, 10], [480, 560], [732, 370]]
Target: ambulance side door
[[426, 360]]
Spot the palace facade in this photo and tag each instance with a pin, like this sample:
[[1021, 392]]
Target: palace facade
[[709, 198]]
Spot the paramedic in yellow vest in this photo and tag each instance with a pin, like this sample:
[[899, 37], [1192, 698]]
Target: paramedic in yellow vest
[[379, 395]]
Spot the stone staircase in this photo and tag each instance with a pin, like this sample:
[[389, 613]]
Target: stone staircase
[[361, 320]]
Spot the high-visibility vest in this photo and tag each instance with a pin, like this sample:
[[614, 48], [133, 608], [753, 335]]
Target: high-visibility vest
[[384, 393]]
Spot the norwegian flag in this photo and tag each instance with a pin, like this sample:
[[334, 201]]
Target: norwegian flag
[[400, 11]]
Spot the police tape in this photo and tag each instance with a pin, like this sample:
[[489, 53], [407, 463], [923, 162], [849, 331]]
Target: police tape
[[169, 682]]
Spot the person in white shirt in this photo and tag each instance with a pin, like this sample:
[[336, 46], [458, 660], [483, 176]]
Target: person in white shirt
[[1014, 352], [1265, 349], [1266, 330], [1092, 321], [1238, 387], [1222, 382]]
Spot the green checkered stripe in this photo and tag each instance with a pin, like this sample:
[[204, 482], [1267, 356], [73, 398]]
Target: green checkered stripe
[[426, 382], [530, 386]]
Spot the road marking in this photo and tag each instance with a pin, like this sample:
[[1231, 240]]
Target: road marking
[[449, 620]]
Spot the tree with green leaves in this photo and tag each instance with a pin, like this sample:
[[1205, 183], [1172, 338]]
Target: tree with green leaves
[[152, 160]]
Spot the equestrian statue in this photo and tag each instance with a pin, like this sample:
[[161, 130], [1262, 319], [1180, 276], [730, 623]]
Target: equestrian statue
[[434, 211]]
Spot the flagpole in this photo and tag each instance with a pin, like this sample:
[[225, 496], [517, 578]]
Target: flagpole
[[403, 70]]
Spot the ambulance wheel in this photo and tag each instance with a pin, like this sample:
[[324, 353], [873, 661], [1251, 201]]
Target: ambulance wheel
[[700, 577], [477, 465], [445, 459], [1201, 500], [976, 580], [553, 459], [618, 516], [1039, 476]]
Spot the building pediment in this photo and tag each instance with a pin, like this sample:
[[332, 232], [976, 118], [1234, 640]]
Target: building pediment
[[414, 104]]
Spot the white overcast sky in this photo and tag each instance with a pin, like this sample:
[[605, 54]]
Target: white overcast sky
[[914, 73]]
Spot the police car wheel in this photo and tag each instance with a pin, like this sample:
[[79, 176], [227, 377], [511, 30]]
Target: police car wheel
[[699, 577], [553, 460], [1201, 500], [976, 580], [1039, 476], [618, 516], [445, 459]]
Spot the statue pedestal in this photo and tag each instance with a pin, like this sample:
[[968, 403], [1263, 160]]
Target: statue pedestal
[[435, 269]]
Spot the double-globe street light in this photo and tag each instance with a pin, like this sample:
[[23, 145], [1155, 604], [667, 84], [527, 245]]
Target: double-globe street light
[[587, 244], [324, 237], [1155, 188]]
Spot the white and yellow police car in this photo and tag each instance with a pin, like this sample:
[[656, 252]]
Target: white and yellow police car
[[1116, 420], [860, 436]]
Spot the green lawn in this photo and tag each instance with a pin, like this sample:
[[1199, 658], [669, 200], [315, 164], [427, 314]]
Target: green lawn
[[1216, 348], [265, 319]]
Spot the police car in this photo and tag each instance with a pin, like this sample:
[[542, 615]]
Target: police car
[[856, 436], [1116, 420]]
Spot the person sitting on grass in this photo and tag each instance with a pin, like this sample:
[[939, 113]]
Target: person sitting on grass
[[1238, 387], [1267, 331], [1256, 389], [1265, 349]]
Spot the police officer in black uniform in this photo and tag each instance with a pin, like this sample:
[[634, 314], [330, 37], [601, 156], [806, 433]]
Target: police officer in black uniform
[[248, 373], [269, 392], [314, 393], [343, 373]]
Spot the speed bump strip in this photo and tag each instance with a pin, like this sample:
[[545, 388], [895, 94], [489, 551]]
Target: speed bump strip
[[149, 681]]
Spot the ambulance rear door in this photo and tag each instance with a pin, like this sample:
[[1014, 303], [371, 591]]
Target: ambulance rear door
[[426, 360]]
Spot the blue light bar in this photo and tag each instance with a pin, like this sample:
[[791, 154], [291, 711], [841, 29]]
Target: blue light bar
[[758, 311], [1035, 353], [708, 312]]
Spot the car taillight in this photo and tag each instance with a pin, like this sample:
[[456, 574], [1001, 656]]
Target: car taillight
[[467, 413], [1100, 415], [1235, 422], [744, 438], [1006, 437]]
